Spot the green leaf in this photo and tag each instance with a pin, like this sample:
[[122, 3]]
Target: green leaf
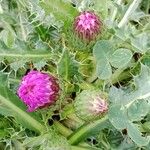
[[3, 133], [35, 141], [102, 7], [49, 141], [7, 37], [146, 60], [137, 15], [138, 110], [3, 79], [18, 145], [88, 129], [125, 32], [103, 69], [118, 117], [129, 105], [135, 135], [5, 111], [17, 64], [146, 126], [102, 51], [120, 58], [67, 66], [40, 64], [141, 42], [142, 84], [18, 56], [63, 11], [116, 95], [12, 106], [35, 55]]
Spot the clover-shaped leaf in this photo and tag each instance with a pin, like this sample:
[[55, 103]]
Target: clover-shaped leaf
[[106, 57]]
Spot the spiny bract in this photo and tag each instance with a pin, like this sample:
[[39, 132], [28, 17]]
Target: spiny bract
[[87, 25], [90, 104]]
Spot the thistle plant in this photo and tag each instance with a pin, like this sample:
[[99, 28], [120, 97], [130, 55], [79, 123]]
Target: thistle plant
[[64, 84]]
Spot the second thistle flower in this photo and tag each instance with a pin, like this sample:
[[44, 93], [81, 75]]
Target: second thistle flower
[[87, 25], [90, 104]]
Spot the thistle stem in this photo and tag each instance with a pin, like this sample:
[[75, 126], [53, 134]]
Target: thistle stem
[[114, 13], [62, 129], [146, 126], [75, 118], [87, 129], [67, 132], [83, 148], [128, 13], [119, 75]]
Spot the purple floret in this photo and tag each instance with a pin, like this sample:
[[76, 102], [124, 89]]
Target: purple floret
[[38, 90]]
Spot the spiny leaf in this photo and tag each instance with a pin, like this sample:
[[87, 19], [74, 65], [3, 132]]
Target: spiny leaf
[[135, 135], [19, 54], [63, 11], [141, 42], [50, 140], [118, 117], [142, 84], [7, 37], [67, 66], [138, 110], [116, 95], [131, 105]]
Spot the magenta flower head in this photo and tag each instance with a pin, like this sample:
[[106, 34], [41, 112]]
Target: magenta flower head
[[87, 25], [38, 90], [90, 104]]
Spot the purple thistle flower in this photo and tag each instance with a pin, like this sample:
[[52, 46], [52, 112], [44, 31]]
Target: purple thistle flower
[[87, 26], [90, 104], [38, 90]]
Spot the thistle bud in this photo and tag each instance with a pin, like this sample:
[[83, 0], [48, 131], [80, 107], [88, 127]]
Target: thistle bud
[[90, 104], [87, 26], [38, 90]]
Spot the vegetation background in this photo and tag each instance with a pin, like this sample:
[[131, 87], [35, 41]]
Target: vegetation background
[[39, 35]]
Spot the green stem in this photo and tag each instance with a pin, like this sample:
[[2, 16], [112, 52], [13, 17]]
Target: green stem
[[83, 148], [46, 55], [35, 124], [66, 132], [75, 118], [119, 75], [1, 9], [87, 129], [13, 80], [114, 13], [23, 32], [146, 126], [128, 13], [62, 129]]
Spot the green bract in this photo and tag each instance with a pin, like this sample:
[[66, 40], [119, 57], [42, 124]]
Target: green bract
[[90, 104]]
